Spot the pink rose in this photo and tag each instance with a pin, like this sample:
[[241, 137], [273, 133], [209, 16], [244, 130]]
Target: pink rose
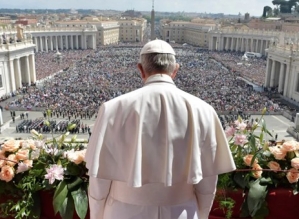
[[293, 175], [295, 163], [11, 145], [12, 160], [274, 166], [22, 154], [230, 131], [257, 173], [289, 146], [278, 152], [240, 140], [248, 158], [7, 173]]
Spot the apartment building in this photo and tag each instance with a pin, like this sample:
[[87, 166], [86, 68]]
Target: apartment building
[[195, 32]]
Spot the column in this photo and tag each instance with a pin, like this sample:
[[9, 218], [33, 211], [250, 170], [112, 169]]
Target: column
[[285, 88], [56, 43], [238, 45], [251, 45], [41, 43], [36, 44], [82, 41], [94, 44], [32, 67], [211, 41], [51, 43], [272, 77], [247, 45], [226, 43], [17, 69], [256, 45], [67, 42], [281, 78], [268, 73], [77, 42], [221, 46], [46, 43], [242, 44], [232, 44], [262, 51], [27, 70], [61, 43], [72, 42], [12, 76]]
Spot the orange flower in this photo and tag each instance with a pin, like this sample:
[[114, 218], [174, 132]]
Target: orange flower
[[7, 173], [257, 173], [293, 175]]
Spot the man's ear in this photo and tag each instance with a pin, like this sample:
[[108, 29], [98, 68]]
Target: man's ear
[[175, 71], [140, 68]]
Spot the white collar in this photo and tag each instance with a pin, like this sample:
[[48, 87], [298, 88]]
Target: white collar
[[159, 78]]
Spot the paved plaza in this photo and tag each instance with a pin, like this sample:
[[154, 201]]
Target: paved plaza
[[276, 124], [9, 127]]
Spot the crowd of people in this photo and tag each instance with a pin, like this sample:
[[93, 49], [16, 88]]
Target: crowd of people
[[54, 126], [82, 80]]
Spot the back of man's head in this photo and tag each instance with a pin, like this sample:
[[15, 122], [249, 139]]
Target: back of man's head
[[157, 56]]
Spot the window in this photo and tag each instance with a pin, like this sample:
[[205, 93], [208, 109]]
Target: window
[[297, 88], [1, 84]]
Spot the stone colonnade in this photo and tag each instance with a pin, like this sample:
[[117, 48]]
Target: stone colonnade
[[17, 64], [63, 41], [240, 43], [277, 74], [22, 72], [282, 71]]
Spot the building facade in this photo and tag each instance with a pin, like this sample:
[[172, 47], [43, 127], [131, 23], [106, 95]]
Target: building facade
[[193, 33], [113, 31], [247, 40], [132, 30], [282, 71], [17, 63]]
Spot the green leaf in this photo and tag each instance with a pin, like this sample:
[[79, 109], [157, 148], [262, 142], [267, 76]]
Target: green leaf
[[256, 196], [262, 212], [262, 137], [73, 169], [75, 183], [81, 202], [266, 181], [67, 209], [59, 196], [240, 179]]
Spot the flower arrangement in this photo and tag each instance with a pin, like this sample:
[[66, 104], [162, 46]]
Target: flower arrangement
[[261, 164], [29, 167]]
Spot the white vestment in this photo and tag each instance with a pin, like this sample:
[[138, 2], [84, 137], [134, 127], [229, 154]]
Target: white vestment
[[155, 153]]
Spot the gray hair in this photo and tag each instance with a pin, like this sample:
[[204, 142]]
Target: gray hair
[[158, 63]]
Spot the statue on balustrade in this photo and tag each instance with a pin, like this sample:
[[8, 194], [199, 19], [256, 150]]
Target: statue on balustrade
[[3, 37], [20, 35]]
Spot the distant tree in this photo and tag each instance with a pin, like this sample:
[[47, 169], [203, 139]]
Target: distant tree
[[267, 10], [285, 6]]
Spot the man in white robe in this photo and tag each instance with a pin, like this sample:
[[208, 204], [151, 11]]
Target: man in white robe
[[156, 152]]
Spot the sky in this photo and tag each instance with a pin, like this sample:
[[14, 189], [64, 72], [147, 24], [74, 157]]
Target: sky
[[253, 7]]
